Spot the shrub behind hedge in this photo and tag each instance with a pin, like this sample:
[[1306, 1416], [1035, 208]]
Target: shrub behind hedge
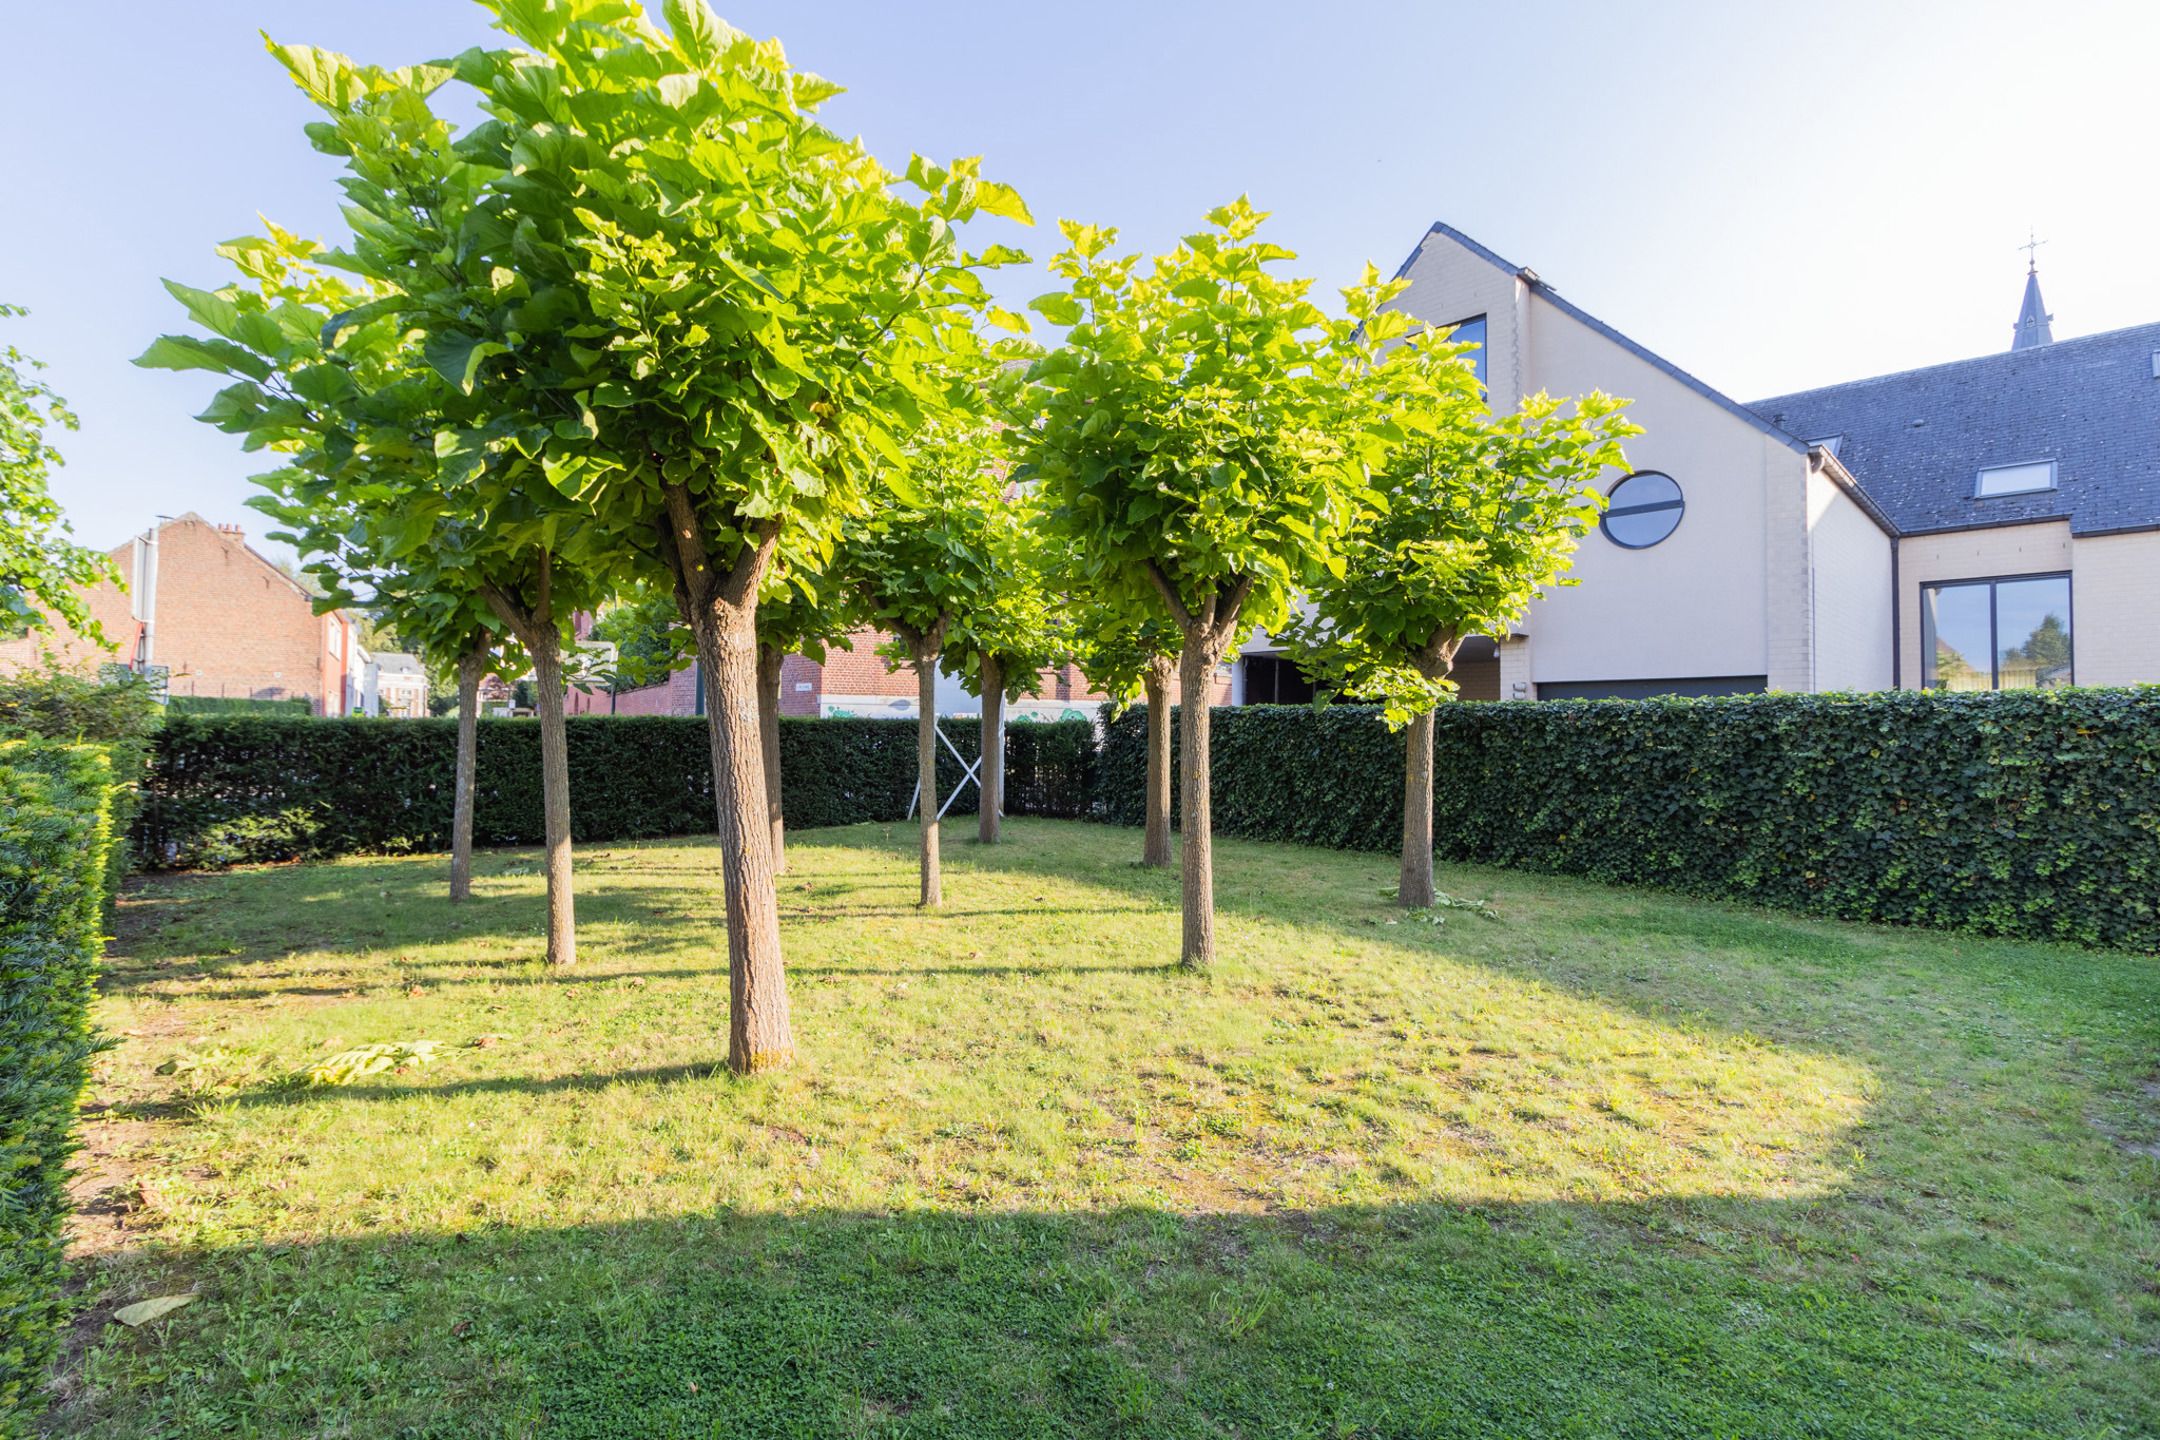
[[237, 705], [228, 790], [2025, 813], [54, 829]]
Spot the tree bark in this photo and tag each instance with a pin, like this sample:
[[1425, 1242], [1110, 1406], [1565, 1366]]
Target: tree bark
[[1156, 682], [990, 788], [926, 745], [1208, 630], [770, 660], [1196, 668], [471, 664], [534, 625], [1415, 890], [722, 614], [545, 644]]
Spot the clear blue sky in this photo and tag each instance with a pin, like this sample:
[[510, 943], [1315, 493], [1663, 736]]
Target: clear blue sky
[[1772, 196]]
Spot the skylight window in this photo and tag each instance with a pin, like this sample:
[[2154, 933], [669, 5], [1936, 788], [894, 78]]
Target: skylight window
[[2016, 479]]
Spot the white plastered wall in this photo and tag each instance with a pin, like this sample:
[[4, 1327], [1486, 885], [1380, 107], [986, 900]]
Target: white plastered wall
[[1851, 599]]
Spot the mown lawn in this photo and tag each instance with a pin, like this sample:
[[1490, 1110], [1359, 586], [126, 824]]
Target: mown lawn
[[1605, 1164]]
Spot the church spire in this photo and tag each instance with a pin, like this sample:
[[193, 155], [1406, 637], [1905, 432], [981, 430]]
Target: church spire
[[2032, 321]]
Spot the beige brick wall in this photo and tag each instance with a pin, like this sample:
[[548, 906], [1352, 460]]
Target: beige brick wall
[[2115, 609]]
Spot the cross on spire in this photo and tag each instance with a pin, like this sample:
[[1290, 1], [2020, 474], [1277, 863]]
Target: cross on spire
[[2033, 326]]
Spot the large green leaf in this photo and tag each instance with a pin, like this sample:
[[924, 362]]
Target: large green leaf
[[458, 358], [191, 352]]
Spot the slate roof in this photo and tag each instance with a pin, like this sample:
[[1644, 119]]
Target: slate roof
[[1917, 440]]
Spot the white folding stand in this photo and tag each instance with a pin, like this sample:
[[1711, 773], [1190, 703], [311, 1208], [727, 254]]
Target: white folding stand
[[968, 772]]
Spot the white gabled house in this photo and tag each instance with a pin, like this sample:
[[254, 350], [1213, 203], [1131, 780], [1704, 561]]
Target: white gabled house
[[1989, 523]]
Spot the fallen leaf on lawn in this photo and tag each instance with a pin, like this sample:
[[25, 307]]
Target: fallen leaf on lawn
[[482, 1042], [142, 1312]]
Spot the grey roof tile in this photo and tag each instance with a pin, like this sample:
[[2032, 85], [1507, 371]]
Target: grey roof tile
[[1917, 440]]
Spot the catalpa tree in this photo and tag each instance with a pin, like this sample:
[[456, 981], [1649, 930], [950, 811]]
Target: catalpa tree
[[731, 318], [440, 367], [1187, 446], [358, 496], [922, 565], [1477, 515]]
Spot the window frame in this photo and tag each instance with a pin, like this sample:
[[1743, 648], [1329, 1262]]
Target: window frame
[[1614, 489], [1981, 492], [1927, 653]]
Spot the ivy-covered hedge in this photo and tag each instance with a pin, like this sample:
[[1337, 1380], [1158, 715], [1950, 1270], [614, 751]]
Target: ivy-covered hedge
[[229, 790], [2025, 813], [54, 830]]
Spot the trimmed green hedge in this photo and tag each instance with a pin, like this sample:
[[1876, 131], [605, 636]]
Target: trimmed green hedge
[[122, 717], [227, 790], [54, 832], [2026, 813]]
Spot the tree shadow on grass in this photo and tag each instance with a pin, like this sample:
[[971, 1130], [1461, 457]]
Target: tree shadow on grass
[[1430, 1320]]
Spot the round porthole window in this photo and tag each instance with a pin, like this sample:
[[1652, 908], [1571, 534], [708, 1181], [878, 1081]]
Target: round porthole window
[[1643, 509]]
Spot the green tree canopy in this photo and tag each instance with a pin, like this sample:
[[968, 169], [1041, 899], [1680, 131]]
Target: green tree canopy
[[42, 572], [1189, 443], [1473, 515]]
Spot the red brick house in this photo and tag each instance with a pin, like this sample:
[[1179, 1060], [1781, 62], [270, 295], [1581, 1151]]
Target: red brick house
[[856, 680], [199, 604]]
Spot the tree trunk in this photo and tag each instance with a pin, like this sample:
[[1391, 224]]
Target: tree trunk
[[769, 661], [722, 614], [991, 786], [926, 747], [470, 666], [545, 646], [1416, 889], [759, 1036], [1196, 669], [1156, 680]]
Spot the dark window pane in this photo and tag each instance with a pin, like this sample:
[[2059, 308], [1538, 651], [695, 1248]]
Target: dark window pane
[[1954, 637], [2032, 629]]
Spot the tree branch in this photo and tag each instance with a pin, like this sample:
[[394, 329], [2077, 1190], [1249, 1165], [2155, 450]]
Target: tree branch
[[1233, 597], [1178, 609], [693, 572], [744, 576]]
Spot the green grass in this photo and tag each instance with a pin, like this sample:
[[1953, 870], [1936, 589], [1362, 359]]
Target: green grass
[[1608, 1164]]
